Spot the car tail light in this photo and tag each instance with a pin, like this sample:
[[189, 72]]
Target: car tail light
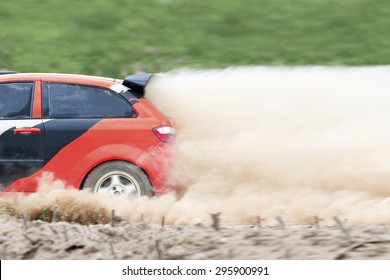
[[165, 133]]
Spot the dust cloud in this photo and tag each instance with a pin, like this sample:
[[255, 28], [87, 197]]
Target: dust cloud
[[260, 143]]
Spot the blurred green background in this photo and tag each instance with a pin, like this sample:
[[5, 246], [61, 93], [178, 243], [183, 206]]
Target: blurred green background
[[117, 37]]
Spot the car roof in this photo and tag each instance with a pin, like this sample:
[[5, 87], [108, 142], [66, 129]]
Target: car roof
[[58, 77]]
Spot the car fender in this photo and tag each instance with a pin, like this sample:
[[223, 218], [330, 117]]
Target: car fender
[[103, 154]]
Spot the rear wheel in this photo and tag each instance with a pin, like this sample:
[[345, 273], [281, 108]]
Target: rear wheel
[[119, 179]]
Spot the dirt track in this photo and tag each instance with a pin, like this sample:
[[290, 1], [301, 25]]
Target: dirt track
[[62, 240]]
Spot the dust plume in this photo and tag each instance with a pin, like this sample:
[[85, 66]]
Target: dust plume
[[262, 142], [290, 142]]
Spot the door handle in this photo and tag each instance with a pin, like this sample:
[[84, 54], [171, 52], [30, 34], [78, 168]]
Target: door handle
[[27, 130]]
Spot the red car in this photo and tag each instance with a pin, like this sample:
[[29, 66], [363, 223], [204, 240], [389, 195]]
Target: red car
[[90, 132]]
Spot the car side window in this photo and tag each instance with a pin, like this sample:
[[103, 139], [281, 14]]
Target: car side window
[[61, 100], [16, 100]]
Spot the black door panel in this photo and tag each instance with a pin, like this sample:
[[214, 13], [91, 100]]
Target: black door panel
[[21, 154]]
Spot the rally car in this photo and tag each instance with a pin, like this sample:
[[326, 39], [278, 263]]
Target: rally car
[[90, 132]]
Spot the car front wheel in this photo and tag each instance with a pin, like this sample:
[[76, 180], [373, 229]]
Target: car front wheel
[[119, 179]]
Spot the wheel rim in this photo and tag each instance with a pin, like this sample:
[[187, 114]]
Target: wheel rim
[[118, 184]]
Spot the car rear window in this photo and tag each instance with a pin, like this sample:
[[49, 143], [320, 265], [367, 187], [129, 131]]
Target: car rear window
[[62, 100], [15, 100]]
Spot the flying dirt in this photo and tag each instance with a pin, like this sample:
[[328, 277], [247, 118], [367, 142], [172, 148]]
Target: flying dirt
[[257, 143]]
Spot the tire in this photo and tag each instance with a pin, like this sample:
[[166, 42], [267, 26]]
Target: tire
[[119, 179]]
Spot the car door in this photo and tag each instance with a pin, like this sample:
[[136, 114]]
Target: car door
[[70, 110], [21, 136]]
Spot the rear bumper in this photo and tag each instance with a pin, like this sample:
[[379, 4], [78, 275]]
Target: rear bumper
[[158, 164]]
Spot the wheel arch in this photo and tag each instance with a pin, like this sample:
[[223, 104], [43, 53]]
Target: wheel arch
[[95, 158], [81, 186]]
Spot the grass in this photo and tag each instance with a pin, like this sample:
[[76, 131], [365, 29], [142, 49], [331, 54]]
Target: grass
[[113, 38]]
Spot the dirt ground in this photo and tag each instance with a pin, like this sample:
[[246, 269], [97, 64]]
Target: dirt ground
[[138, 240]]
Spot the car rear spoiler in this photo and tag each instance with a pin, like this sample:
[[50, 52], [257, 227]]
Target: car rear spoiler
[[137, 82]]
